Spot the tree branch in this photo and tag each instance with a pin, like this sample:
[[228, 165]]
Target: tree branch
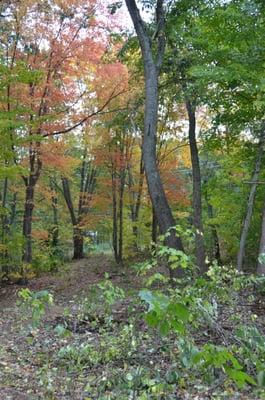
[[139, 26], [82, 121]]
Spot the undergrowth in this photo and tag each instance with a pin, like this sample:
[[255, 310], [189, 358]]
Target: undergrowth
[[203, 336]]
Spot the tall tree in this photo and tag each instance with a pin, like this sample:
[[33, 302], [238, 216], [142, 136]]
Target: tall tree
[[250, 203], [87, 186], [59, 79], [152, 65], [196, 192], [261, 258]]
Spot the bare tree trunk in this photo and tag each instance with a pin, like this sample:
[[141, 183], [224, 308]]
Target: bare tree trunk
[[196, 194], [154, 228], [78, 240], [55, 226], [27, 221], [250, 205], [215, 253], [35, 166], [261, 259], [13, 210], [4, 216], [122, 183], [136, 203], [151, 71], [86, 189], [4, 223], [114, 218]]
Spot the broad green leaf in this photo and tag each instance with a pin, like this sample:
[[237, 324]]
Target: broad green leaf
[[179, 310]]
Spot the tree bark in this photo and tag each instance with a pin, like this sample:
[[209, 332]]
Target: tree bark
[[4, 221], [35, 165], [160, 204], [86, 189], [117, 216], [121, 195], [196, 193], [55, 226], [114, 217], [261, 263], [27, 221], [215, 253], [35, 168], [250, 205], [154, 228], [136, 200], [13, 210], [78, 241]]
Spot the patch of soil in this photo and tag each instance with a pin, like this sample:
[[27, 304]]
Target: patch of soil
[[73, 280]]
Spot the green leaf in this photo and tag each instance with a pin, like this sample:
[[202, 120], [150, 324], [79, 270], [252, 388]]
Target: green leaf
[[178, 326], [152, 319], [156, 301], [179, 310], [239, 377], [164, 328], [61, 331], [172, 377]]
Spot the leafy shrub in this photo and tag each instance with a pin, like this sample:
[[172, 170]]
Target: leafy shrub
[[36, 303], [192, 306]]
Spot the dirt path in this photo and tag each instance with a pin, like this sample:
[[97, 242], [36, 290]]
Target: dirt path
[[73, 279]]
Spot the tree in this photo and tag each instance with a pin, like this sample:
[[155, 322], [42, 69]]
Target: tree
[[250, 203], [152, 66], [179, 88], [214, 42], [87, 186], [196, 192], [53, 87]]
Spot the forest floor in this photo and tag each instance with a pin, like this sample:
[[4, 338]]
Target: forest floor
[[85, 349]]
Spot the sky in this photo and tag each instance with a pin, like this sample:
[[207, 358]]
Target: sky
[[127, 19]]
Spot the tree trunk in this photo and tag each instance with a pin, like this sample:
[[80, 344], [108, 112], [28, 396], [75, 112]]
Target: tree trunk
[[55, 230], [136, 203], [114, 219], [35, 166], [122, 183], [9, 221], [4, 221], [196, 194], [250, 205], [78, 241], [215, 248], [13, 210], [159, 201], [151, 71], [154, 228], [55, 227], [261, 262], [27, 222]]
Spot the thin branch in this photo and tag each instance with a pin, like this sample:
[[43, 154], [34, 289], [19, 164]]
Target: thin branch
[[82, 121]]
